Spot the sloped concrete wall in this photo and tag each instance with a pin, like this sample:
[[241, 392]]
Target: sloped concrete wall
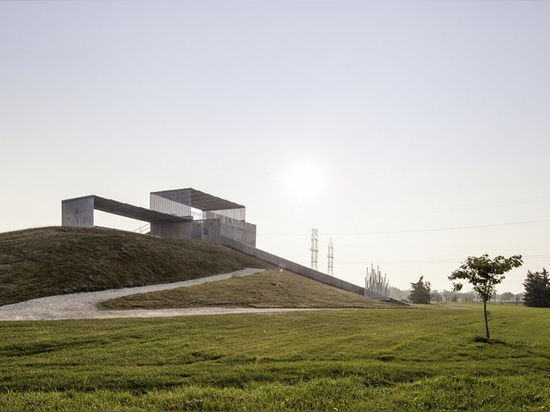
[[292, 266], [238, 230]]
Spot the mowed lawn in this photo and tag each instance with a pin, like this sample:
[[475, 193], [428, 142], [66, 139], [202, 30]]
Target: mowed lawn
[[269, 289], [363, 359]]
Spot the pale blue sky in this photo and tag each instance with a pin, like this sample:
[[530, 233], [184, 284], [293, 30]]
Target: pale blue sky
[[391, 118]]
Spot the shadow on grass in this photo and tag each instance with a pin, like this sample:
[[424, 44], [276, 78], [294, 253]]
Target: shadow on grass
[[484, 339]]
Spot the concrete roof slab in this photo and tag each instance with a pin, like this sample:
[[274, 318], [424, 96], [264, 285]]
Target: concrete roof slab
[[198, 200]]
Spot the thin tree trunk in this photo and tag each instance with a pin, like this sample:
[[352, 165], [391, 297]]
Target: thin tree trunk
[[486, 320]]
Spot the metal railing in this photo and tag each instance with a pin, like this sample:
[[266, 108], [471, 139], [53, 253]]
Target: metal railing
[[146, 228]]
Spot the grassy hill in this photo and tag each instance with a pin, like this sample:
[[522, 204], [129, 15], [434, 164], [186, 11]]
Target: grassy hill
[[59, 260], [270, 289]]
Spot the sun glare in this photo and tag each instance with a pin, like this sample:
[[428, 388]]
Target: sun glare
[[304, 180]]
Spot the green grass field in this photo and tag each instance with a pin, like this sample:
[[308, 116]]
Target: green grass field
[[354, 356], [409, 359]]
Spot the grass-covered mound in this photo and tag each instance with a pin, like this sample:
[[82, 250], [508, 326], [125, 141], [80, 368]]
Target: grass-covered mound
[[270, 289], [58, 260]]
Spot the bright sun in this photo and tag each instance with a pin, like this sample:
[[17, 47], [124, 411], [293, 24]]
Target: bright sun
[[304, 180]]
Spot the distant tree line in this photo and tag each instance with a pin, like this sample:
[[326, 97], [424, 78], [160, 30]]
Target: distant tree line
[[536, 284], [451, 296]]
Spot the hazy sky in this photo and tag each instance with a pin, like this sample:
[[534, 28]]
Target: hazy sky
[[412, 133]]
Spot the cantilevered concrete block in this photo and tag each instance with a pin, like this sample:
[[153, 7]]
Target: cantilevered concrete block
[[78, 212]]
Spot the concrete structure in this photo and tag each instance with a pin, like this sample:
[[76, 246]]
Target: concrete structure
[[190, 213], [174, 213], [376, 285], [217, 217]]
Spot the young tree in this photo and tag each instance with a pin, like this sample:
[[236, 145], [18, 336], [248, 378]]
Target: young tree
[[420, 292], [537, 289], [484, 274]]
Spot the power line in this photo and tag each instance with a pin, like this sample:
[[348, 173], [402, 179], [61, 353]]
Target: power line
[[389, 232], [430, 261]]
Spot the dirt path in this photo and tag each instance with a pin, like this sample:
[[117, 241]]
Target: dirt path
[[84, 305]]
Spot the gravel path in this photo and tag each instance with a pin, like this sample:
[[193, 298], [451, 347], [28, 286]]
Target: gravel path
[[84, 305]]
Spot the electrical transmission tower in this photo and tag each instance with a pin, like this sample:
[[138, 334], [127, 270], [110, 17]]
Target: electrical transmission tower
[[314, 249], [330, 259]]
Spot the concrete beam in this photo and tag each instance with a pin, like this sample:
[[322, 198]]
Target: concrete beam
[[80, 211]]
